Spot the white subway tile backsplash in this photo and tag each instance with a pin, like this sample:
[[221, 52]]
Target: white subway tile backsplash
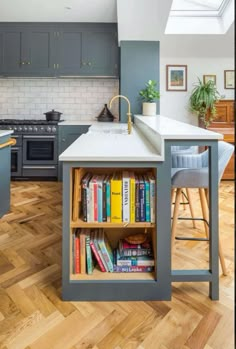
[[81, 99]]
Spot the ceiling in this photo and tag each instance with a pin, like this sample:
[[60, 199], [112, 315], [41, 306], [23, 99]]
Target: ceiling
[[58, 11]]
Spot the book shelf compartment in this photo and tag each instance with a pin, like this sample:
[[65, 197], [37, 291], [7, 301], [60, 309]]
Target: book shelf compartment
[[114, 231]]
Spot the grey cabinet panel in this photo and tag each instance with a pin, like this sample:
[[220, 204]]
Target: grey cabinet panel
[[67, 135], [12, 55], [40, 46], [5, 157], [1, 53], [100, 53], [70, 52]]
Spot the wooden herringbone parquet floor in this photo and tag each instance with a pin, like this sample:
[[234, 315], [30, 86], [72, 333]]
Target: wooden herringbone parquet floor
[[32, 315]]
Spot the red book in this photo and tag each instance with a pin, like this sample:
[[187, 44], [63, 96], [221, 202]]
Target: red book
[[95, 252], [77, 255]]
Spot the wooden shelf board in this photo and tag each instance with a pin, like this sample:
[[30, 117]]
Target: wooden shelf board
[[98, 275], [81, 224]]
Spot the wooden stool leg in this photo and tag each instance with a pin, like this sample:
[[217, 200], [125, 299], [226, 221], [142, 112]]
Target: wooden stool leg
[[175, 216], [221, 254], [189, 195], [204, 209], [183, 199]]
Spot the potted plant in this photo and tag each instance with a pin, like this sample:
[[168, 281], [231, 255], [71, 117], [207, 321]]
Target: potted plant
[[202, 101], [149, 94]]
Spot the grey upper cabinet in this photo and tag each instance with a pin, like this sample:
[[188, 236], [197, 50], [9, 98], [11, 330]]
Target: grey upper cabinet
[[26, 50], [60, 49]]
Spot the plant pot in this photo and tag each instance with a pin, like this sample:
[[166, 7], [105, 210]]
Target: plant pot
[[149, 109]]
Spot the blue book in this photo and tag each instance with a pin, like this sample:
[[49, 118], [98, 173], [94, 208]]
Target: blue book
[[147, 198], [142, 208], [100, 201]]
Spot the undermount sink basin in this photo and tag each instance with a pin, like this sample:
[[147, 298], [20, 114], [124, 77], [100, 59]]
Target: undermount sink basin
[[111, 130]]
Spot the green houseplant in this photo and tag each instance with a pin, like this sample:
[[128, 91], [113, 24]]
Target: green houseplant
[[149, 94], [202, 101]]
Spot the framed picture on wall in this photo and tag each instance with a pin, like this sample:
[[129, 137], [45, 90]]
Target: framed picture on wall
[[229, 79], [207, 78], [176, 77]]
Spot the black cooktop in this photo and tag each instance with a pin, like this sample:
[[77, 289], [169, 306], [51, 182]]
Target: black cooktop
[[27, 122]]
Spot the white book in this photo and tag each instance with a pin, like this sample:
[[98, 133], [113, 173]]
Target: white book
[[125, 196]]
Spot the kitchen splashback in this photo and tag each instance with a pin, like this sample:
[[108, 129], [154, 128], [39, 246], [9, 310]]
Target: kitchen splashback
[[77, 99]]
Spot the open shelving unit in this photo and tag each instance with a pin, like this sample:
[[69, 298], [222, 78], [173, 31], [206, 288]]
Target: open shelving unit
[[110, 285]]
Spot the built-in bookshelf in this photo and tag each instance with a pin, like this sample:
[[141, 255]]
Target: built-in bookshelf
[[115, 231]]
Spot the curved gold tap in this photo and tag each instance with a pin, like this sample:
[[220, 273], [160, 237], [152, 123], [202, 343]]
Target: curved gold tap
[[129, 111]]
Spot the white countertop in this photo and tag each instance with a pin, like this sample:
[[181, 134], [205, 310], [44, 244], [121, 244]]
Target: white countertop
[[5, 132], [110, 141], [173, 129], [77, 122]]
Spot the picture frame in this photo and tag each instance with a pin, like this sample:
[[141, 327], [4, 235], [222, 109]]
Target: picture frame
[[176, 77], [229, 82], [208, 77]]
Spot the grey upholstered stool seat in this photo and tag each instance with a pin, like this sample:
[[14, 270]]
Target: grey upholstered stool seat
[[191, 171]]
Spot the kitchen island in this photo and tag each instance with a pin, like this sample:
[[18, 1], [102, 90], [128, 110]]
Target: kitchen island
[[5, 162], [107, 148]]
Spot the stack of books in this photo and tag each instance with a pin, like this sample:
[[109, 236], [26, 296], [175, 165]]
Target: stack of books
[[118, 197], [133, 257], [89, 247]]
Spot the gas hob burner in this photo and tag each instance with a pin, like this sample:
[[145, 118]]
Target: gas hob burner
[[27, 122]]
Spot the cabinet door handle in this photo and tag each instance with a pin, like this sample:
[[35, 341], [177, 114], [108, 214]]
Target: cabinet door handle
[[28, 63], [63, 139], [89, 63], [54, 66], [22, 63], [57, 65], [83, 63]]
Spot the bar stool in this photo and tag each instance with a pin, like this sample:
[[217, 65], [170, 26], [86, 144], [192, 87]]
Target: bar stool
[[191, 171]]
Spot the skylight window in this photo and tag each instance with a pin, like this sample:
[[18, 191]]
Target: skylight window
[[200, 17], [198, 7]]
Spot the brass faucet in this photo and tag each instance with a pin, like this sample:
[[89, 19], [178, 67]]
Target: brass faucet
[[129, 111]]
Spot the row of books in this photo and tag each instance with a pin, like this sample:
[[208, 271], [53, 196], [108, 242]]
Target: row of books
[[91, 247], [119, 197]]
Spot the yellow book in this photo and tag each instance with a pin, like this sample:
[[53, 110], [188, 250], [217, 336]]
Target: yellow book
[[116, 198], [132, 197]]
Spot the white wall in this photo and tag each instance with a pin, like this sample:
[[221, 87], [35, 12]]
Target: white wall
[[77, 99], [175, 104]]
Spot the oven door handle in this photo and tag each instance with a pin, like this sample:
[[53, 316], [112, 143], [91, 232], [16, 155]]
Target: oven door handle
[[40, 137], [39, 167], [15, 148]]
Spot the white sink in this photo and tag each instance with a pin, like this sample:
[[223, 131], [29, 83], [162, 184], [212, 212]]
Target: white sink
[[114, 129]]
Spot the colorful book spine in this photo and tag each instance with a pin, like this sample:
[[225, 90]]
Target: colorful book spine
[[134, 261], [152, 197], [108, 197], [125, 196], [100, 195], [77, 253], [91, 202], [104, 199], [96, 239], [116, 198], [106, 250], [89, 259], [142, 199], [85, 195], [133, 269], [73, 253], [82, 237], [137, 202], [126, 249], [132, 197], [95, 252], [95, 200], [147, 199]]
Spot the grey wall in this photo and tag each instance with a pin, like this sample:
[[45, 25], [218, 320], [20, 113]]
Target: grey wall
[[139, 63]]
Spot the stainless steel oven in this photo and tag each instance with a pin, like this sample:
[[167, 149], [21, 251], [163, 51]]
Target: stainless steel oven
[[35, 154]]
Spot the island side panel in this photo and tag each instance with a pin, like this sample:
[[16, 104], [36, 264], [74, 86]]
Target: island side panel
[[111, 290]]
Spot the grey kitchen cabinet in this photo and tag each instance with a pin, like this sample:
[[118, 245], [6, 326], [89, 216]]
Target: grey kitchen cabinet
[[27, 50], [67, 135], [5, 163], [59, 49]]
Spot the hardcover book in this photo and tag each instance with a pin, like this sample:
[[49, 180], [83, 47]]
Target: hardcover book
[[95, 252], [147, 198], [141, 199], [105, 249], [137, 199], [85, 195], [89, 259], [116, 198], [125, 196], [132, 197], [82, 237]]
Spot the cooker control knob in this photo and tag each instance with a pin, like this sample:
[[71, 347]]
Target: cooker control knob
[[49, 129], [35, 129], [25, 128], [54, 129], [15, 128], [30, 129], [41, 128], [19, 128]]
